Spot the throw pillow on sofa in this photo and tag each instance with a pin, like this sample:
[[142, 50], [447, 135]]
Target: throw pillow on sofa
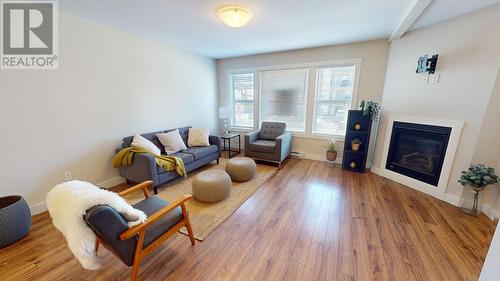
[[172, 141], [140, 141], [198, 137]]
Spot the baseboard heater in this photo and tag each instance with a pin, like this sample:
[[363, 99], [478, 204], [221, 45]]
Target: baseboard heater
[[297, 155]]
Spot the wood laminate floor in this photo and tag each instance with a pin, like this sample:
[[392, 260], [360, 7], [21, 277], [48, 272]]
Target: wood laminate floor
[[310, 221]]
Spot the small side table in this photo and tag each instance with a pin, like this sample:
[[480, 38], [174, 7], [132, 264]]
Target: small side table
[[228, 138]]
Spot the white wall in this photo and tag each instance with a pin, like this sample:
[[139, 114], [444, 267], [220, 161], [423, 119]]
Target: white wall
[[469, 59], [373, 53], [488, 150], [109, 85]]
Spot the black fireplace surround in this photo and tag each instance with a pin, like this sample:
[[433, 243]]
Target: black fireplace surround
[[418, 151]]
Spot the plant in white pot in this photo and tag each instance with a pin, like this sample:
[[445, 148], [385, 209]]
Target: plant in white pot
[[477, 177], [331, 150]]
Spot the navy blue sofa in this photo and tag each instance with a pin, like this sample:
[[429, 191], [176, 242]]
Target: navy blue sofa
[[144, 165]]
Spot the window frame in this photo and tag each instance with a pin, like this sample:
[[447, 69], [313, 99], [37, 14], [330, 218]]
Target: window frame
[[354, 99], [232, 100], [311, 89]]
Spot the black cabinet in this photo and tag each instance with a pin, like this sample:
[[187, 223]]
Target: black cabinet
[[358, 127]]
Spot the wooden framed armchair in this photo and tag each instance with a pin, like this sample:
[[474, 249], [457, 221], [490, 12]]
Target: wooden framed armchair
[[131, 245]]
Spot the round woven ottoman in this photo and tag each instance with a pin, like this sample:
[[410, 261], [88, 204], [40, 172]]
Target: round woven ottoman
[[211, 186], [241, 169]]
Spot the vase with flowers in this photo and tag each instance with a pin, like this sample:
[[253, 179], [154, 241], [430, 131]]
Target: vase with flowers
[[477, 177]]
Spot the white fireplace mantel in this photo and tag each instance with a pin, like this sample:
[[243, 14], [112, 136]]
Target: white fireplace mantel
[[439, 191]]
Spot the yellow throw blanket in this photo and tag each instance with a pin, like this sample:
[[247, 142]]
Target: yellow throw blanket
[[168, 163]]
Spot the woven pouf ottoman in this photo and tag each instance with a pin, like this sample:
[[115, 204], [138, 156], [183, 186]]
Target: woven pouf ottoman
[[211, 186], [241, 169]]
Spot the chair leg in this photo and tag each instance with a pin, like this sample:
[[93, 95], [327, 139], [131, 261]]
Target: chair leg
[[137, 256], [190, 231], [96, 246], [135, 271], [185, 215]]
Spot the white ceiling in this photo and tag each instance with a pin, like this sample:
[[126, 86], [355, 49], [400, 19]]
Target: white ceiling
[[277, 25], [440, 10]]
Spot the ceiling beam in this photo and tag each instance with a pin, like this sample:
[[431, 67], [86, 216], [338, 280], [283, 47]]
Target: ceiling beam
[[412, 14]]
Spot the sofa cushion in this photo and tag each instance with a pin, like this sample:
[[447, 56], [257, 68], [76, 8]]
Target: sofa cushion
[[172, 141], [150, 206], [183, 131], [127, 141], [186, 158], [271, 130], [140, 141], [198, 137], [201, 152], [266, 146]]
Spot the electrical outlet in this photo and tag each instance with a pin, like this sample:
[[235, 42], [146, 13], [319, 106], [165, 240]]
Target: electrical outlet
[[425, 78], [68, 176], [434, 78]]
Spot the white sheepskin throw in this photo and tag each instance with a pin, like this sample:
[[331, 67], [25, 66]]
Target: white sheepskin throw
[[67, 204]]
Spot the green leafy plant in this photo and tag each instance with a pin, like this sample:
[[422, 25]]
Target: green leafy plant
[[370, 108], [478, 177], [356, 141], [331, 146]]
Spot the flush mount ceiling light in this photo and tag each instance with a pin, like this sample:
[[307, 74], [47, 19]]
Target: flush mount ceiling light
[[234, 16]]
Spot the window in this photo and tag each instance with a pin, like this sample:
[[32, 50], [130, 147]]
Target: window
[[314, 107], [333, 99], [283, 97], [243, 95]]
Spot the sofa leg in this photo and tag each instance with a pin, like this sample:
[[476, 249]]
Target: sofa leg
[[155, 189], [128, 181], [217, 161]]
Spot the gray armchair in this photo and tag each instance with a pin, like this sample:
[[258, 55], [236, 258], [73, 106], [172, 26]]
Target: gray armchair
[[272, 143]]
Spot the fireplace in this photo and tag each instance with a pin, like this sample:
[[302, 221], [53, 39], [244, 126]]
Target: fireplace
[[418, 150]]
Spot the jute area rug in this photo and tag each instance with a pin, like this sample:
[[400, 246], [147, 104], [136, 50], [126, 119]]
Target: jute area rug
[[206, 217]]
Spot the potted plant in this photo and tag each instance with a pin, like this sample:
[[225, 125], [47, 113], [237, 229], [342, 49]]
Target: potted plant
[[370, 108], [477, 177], [355, 144], [331, 150]]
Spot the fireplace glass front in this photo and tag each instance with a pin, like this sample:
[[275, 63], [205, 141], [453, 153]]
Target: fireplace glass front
[[418, 150]]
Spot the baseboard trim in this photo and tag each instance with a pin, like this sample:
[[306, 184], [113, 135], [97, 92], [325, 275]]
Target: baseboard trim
[[40, 207], [111, 182], [450, 198], [486, 209], [490, 212], [376, 170], [322, 158]]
